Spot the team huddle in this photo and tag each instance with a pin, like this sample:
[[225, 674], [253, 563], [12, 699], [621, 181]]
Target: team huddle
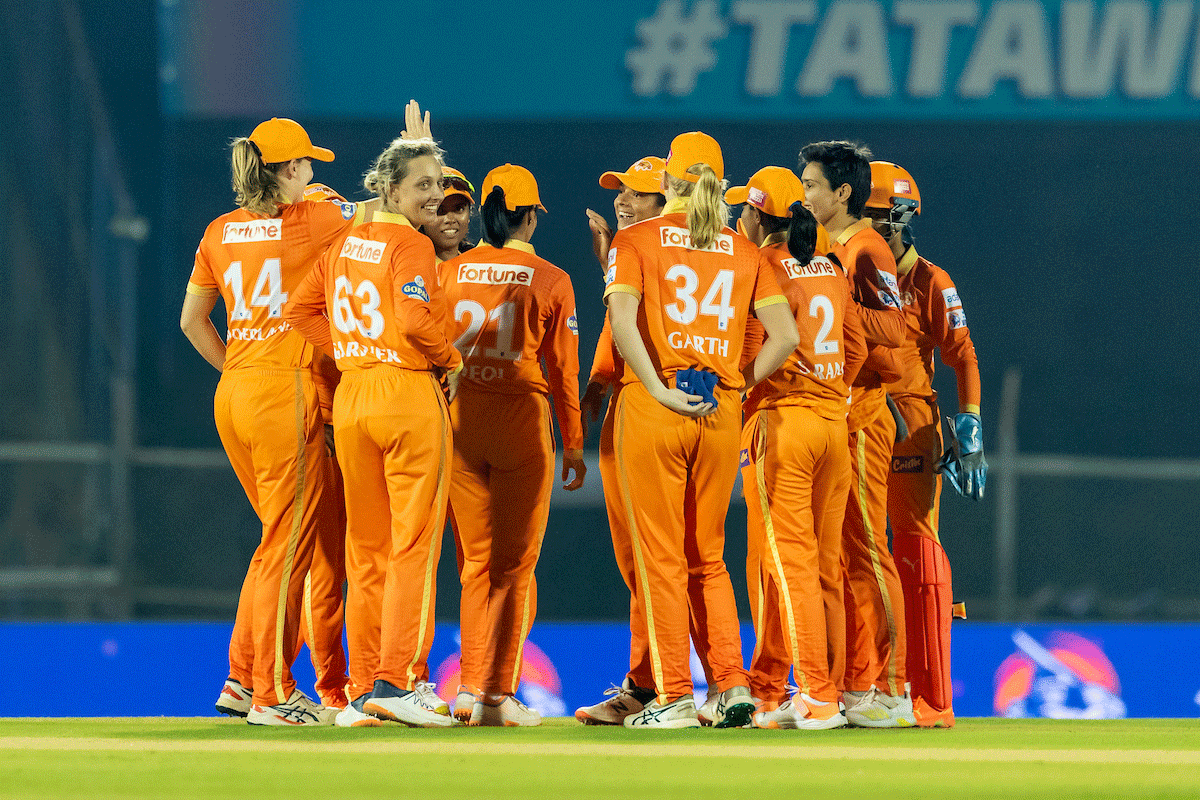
[[380, 373]]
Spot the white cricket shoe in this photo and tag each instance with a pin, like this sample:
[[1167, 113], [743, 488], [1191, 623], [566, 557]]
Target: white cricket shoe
[[802, 712], [734, 709], [622, 701], [235, 699], [680, 714], [504, 710], [879, 710], [352, 716], [298, 710], [418, 708], [708, 710]]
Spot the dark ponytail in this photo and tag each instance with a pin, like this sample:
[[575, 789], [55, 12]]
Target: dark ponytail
[[498, 221], [801, 233]]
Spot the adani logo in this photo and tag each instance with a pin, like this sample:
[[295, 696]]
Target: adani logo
[[1069, 677], [540, 687]]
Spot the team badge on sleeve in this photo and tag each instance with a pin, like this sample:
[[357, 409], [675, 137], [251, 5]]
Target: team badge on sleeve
[[950, 296], [745, 460], [573, 324], [416, 289], [888, 299], [610, 276], [348, 210], [956, 319]]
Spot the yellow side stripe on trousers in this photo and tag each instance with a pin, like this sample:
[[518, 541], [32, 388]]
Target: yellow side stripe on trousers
[[638, 556], [764, 505], [526, 621], [310, 629], [293, 536], [860, 449], [435, 541]]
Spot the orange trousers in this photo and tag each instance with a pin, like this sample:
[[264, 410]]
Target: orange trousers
[[659, 455], [796, 484], [875, 634], [914, 493], [502, 476], [270, 425], [640, 673], [323, 612], [393, 437]]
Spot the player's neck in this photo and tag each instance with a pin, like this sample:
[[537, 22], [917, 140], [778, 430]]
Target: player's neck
[[838, 223]]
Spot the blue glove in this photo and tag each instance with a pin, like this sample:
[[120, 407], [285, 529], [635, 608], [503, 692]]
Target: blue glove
[[697, 382], [963, 462]]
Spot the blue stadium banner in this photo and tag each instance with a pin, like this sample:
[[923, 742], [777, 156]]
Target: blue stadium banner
[[714, 59], [1080, 671]]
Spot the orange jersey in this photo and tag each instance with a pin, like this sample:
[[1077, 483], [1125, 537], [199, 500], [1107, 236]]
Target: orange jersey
[[510, 311], [936, 320], [872, 270], [607, 364], [255, 263], [694, 303], [832, 344], [373, 299]]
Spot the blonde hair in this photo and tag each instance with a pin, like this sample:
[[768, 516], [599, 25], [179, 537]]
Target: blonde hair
[[255, 184], [392, 165], [707, 213]]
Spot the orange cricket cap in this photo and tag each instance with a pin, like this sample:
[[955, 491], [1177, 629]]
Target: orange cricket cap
[[771, 190], [520, 187], [890, 180], [454, 182], [280, 139], [688, 149], [644, 176]]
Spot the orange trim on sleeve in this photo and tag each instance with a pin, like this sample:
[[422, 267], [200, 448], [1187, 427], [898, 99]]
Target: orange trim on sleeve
[[202, 291]]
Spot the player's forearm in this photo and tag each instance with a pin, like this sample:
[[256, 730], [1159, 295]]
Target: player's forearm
[[883, 326], [204, 337], [782, 340], [622, 313]]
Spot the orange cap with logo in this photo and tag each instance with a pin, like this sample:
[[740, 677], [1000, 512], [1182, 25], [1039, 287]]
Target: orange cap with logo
[[645, 176], [280, 139], [520, 187], [692, 148], [454, 182], [890, 180], [771, 190]]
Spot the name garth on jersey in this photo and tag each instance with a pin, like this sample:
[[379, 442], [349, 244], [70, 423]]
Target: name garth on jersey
[[495, 275], [258, 230]]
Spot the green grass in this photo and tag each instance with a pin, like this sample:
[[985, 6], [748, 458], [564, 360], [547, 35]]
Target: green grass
[[45, 759]]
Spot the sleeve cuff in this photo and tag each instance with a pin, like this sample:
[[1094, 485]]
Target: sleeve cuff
[[202, 291], [622, 287], [773, 300]]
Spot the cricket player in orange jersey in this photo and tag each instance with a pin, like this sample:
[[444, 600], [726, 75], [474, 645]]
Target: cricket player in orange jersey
[[449, 231], [639, 197], [935, 319], [683, 285], [266, 403], [837, 183], [378, 287], [770, 664], [795, 465], [513, 320]]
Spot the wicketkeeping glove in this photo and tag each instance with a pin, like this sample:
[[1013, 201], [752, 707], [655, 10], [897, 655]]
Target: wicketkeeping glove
[[698, 382], [963, 462]]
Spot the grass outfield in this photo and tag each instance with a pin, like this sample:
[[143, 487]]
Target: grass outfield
[[45, 759]]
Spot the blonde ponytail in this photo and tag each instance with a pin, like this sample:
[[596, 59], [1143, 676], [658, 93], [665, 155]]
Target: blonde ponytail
[[707, 212], [255, 184]]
